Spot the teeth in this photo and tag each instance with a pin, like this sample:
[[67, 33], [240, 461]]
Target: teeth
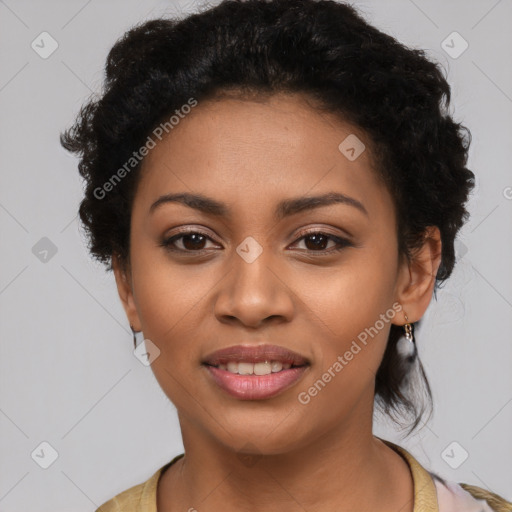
[[263, 368], [232, 367], [245, 368], [277, 366]]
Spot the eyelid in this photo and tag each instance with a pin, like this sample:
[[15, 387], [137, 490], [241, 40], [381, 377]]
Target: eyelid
[[181, 230], [324, 230], [166, 239]]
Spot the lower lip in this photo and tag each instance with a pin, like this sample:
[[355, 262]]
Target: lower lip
[[256, 387]]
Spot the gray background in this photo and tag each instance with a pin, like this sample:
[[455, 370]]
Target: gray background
[[68, 375]]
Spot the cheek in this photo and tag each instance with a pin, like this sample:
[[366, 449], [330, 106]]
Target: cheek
[[167, 295], [352, 306], [168, 308], [353, 316], [350, 297]]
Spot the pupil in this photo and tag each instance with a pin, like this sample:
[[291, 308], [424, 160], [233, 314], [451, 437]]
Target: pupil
[[318, 241], [197, 240]]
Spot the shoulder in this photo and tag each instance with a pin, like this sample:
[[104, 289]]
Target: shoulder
[[433, 493], [454, 497], [140, 497], [128, 500]]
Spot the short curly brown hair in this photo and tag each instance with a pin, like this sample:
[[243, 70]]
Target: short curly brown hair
[[320, 48]]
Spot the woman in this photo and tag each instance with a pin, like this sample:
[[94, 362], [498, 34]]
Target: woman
[[277, 187]]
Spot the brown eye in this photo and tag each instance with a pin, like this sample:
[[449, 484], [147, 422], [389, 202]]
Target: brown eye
[[317, 241], [190, 241], [193, 241]]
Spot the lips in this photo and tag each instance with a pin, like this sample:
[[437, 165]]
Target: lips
[[255, 372]]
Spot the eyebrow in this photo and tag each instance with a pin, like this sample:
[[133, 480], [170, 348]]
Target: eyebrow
[[284, 209]]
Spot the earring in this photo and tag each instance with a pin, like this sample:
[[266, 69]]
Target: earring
[[409, 330], [406, 344]]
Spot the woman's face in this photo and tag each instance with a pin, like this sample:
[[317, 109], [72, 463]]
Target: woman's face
[[256, 274]]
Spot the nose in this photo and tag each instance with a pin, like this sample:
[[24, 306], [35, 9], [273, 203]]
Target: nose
[[254, 292]]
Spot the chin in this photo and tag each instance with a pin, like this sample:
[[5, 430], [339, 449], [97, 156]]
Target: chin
[[263, 435]]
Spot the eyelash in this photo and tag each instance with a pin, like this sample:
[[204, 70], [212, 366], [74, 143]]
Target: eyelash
[[342, 242]]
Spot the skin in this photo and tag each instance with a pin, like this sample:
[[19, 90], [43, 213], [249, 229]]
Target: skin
[[252, 154]]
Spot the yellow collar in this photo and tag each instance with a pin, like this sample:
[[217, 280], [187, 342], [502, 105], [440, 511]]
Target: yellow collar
[[425, 495]]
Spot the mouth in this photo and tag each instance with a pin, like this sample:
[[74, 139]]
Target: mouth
[[255, 372]]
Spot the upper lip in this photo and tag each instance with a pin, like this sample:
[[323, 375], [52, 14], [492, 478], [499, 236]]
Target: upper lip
[[255, 354]]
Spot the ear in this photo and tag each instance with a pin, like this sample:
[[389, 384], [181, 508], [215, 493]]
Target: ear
[[417, 277], [122, 273]]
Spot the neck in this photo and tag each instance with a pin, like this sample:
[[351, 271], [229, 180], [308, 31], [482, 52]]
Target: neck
[[345, 469]]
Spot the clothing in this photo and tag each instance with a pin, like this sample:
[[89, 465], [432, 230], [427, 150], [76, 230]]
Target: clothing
[[431, 493]]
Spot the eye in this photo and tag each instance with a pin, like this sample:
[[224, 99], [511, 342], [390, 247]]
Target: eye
[[190, 241], [317, 241], [194, 241]]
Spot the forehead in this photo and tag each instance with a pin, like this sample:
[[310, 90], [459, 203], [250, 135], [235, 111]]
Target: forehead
[[254, 152]]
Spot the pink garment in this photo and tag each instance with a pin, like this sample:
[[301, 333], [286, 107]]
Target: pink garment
[[451, 497]]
